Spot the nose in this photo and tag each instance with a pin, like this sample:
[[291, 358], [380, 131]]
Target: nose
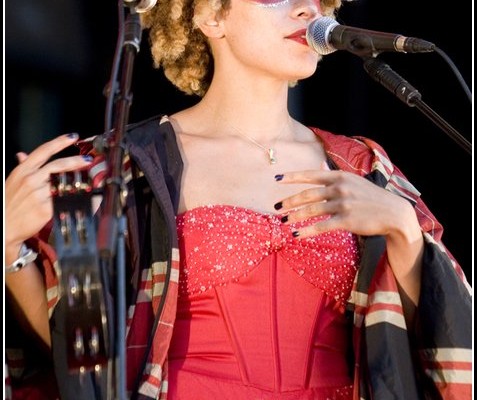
[[307, 9]]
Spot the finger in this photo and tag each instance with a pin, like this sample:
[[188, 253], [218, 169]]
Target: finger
[[316, 194], [65, 164], [29, 214], [308, 212], [32, 188], [324, 166], [41, 176], [325, 225], [45, 151], [319, 177], [21, 156]]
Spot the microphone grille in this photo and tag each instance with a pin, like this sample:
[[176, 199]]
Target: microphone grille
[[317, 35]]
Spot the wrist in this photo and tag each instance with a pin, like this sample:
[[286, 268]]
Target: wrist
[[24, 257], [12, 251], [406, 228]]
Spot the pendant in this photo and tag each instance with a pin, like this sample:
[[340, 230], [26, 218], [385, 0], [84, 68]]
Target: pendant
[[271, 156]]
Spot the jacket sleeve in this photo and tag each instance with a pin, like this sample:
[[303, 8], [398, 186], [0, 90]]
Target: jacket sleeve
[[440, 342], [433, 358]]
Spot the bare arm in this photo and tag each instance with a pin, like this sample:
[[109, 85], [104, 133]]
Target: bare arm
[[405, 247], [26, 292], [28, 207]]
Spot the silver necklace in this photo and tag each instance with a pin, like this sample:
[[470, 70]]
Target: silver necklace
[[270, 151]]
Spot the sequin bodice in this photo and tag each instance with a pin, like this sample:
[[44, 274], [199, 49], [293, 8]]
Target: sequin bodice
[[220, 244], [260, 313]]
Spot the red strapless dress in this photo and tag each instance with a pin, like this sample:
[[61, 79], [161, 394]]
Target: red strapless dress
[[260, 313]]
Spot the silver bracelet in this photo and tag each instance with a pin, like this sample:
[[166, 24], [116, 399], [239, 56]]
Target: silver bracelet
[[25, 257]]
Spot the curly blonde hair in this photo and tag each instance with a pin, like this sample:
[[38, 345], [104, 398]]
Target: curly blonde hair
[[181, 48]]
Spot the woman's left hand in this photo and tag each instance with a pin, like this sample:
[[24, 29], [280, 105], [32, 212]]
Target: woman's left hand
[[353, 203], [357, 205]]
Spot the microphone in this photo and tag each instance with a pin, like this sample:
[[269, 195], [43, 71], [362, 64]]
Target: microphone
[[140, 6], [325, 36]]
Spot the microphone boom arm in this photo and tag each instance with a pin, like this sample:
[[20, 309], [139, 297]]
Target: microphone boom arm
[[391, 80]]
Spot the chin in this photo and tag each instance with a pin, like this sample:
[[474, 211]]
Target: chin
[[308, 68], [303, 74]]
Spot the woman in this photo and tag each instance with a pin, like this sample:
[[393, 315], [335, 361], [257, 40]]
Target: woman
[[258, 226]]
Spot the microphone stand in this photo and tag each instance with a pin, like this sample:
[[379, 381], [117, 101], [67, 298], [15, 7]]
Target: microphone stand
[[112, 223], [391, 80]]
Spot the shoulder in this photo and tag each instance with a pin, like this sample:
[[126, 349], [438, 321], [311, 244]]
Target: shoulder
[[150, 140], [151, 129], [366, 157], [137, 133], [355, 153]]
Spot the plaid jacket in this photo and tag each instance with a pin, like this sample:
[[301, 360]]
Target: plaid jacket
[[431, 360]]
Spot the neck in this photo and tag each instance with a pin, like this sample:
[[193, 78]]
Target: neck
[[258, 110], [251, 101]]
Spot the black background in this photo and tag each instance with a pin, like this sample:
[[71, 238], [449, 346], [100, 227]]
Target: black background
[[58, 56]]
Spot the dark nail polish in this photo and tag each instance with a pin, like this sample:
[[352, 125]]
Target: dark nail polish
[[87, 158], [284, 219], [278, 206], [73, 135], [278, 177], [295, 233]]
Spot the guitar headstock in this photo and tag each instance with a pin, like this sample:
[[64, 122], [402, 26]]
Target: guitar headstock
[[81, 276]]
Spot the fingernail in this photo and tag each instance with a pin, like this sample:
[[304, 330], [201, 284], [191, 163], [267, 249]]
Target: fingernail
[[284, 219], [295, 233], [278, 206], [87, 158], [72, 135], [278, 177]]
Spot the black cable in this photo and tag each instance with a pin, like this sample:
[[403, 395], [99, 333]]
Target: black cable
[[455, 71], [111, 88]]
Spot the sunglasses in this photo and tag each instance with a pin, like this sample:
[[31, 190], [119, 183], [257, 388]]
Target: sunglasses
[[275, 3]]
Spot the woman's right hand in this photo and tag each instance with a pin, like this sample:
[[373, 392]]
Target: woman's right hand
[[28, 203]]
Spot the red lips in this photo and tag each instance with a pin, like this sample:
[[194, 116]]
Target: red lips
[[299, 36]]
